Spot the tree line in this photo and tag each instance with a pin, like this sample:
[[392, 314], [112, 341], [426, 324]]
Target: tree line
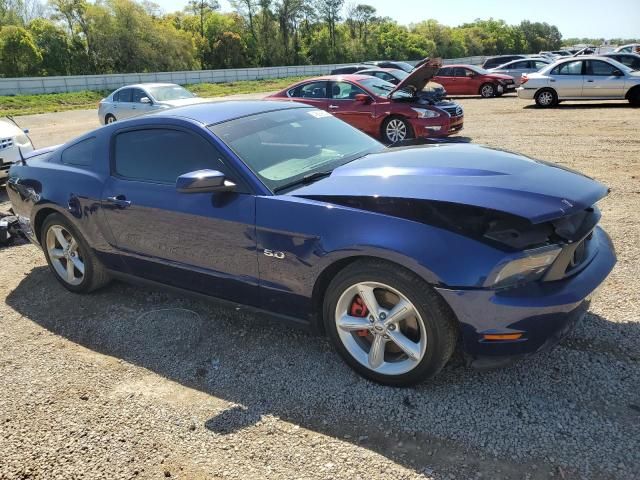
[[74, 37]]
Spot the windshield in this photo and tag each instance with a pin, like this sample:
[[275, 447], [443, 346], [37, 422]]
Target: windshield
[[285, 147], [382, 88], [404, 66], [477, 69], [169, 92]]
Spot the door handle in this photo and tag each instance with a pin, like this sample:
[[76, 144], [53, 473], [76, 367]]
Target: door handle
[[334, 107], [120, 201], [590, 81], [552, 80]]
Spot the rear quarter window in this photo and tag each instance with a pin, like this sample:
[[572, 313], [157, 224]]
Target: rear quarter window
[[79, 154]]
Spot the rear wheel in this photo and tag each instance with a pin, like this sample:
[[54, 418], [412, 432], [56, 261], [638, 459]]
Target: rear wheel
[[387, 324], [634, 97], [488, 90], [70, 258], [396, 129], [108, 119], [546, 98]]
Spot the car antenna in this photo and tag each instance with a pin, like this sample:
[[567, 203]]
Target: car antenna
[[22, 159]]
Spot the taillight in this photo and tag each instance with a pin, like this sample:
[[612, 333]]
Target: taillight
[[524, 79]]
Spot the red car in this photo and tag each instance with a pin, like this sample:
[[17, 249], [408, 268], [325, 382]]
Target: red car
[[389, 112], [473, 80]]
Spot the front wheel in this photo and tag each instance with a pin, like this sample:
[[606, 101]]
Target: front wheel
[[70, 258], [396, 129], [387, 324], [109, 119], [488, 90]]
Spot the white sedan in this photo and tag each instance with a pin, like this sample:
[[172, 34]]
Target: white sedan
[[581, 78], [12, 141], [134, 100]]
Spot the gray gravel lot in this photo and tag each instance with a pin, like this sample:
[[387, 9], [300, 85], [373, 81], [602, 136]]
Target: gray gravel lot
[[134, 383]]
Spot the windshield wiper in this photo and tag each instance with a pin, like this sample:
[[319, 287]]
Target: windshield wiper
[[307, 179]]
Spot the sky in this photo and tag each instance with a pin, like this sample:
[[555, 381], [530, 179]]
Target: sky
[[574, 18]]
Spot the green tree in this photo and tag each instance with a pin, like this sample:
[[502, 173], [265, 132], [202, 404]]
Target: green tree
[[53, 44], [19, 55]]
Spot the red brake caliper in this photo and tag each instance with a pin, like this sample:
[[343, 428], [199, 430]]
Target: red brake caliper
[[359, 309]]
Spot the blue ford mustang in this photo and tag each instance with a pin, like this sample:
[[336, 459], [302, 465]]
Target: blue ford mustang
[[396, 254]]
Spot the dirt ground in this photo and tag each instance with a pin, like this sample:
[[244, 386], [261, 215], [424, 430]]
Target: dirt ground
[[134, 383]]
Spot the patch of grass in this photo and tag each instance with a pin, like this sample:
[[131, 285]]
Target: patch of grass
[[49, 102], [60, 102]]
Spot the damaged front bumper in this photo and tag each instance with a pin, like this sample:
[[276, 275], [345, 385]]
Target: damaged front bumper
[[543, 312]]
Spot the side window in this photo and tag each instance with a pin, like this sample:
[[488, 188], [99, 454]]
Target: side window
[[459, 72], [538, 64], [162, 155], [137, 95], [310, 90], [569, 68], [385, 76], [523, 64], [79, 154], [467, 73], [123, 95], [345, 91], [596, 67]]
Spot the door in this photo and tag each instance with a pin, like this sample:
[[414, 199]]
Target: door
[[467, 81], [600, 80], [446, 78], [122, 104], [312, 93], [567, 79], [137, 106], [343, 105], [199, 241]]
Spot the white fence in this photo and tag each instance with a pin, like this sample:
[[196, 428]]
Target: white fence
[[31, 85]]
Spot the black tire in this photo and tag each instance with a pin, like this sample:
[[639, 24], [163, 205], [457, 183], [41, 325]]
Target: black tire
[[109, 118], [94, 276], [488, 90], [634, 97], [440, 324], [546, 98], [399, 121]]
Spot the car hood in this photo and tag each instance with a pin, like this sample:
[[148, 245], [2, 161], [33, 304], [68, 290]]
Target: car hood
[[419, 76], [466, 175], [184, 101]]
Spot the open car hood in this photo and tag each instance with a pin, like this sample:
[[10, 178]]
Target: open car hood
[[466, 175], [419, 76]]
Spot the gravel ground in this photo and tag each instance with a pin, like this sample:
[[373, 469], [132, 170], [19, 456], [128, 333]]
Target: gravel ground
[[129, 382]]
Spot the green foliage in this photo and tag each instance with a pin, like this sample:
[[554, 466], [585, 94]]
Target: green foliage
[[121, 36], [19, 55]]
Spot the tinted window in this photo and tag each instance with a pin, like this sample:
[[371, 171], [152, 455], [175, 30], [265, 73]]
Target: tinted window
[[80, 154], [445, 72], [385, 76], [538, 64], [595, 67], [123, 95], [162, 155], [345, 91], [310, 90], [137, 95], [569, 68]]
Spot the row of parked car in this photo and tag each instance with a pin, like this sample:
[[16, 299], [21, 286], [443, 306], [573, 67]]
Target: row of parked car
[[395, 101]]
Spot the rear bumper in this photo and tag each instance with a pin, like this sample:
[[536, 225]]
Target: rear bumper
[[543, 312], [526, 93]]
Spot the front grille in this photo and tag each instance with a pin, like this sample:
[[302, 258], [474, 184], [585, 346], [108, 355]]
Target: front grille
[[453, 110], [6, 143]]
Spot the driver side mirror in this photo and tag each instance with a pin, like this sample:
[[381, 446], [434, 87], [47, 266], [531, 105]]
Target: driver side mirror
[[204, 181], [618, 73], [145, 100], [362, 98]]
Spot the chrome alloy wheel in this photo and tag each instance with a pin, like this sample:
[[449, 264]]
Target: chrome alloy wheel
[[380, 328], [545, 98], [65, 255], [488, 91], [396, 130]]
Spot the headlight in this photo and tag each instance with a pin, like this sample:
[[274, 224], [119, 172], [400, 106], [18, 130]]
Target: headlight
[[525, 269], [22, 140], [425, 113]]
